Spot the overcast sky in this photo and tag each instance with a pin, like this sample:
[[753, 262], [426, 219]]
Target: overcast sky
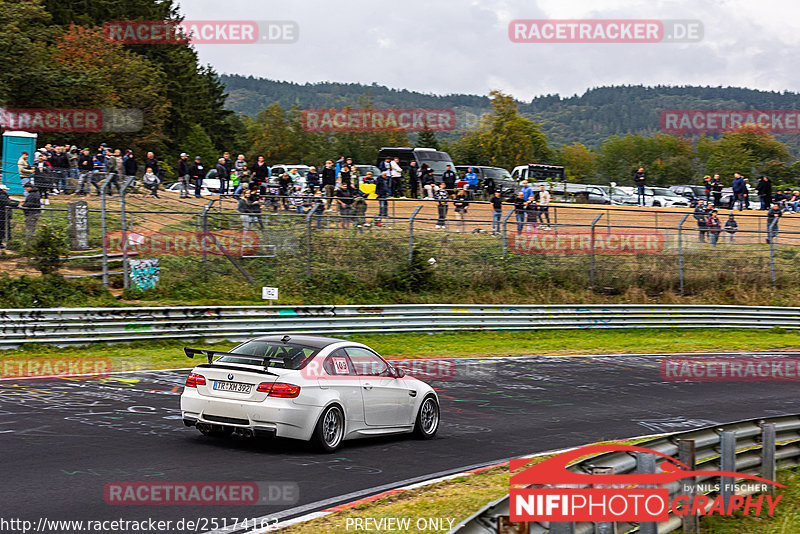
[[462, 46]]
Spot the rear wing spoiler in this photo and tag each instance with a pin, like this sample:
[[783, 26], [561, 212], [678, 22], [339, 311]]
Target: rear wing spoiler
[[210, 354]]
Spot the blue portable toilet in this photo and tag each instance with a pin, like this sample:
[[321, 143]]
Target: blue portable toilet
[[14, 143]]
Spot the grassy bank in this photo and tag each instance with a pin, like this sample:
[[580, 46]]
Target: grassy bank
[[154, 354]]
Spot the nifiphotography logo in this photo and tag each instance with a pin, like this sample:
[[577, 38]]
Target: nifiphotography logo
[[608, 497]]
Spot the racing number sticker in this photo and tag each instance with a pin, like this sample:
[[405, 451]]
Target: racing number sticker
[[340, 366]]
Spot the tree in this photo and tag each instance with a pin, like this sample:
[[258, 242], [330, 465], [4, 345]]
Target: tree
[[578, 162], [749, 150], [427, 139]]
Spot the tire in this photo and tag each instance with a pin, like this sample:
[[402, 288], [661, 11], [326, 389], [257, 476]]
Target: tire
[[329, 432], [427, 423], [656, 204]]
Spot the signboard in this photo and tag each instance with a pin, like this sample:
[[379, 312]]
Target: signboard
[[269, 293], [144, 273], [78, 213]]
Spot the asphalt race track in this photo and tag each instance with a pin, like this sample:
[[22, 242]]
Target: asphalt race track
[[62, 440]]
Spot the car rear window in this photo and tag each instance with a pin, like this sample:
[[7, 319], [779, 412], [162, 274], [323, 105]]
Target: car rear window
[[281, 355]]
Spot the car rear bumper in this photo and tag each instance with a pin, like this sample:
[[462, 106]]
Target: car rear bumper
[[272, 417]]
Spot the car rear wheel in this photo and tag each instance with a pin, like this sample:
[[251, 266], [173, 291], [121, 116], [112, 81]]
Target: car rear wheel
[[329, 431], [427, 419]]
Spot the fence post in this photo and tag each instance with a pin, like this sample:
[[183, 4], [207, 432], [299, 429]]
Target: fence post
[[125, 277], [727, 463], [505, 233], [604, 527], [561, 527], [680, 250], [591, 272], [411, 233], [104, 229], [768, 467], [646, 464], [771, 235], [308, 241], [687, 456]]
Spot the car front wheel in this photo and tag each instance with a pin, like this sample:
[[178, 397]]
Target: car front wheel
[[427, 419], [329, 431]]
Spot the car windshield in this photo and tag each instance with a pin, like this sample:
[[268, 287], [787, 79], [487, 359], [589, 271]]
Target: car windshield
[[496, 174], [281, 355], [661, 191], [363, 169]]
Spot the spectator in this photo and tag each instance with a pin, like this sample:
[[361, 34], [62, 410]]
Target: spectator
[[382, 190], [318, 207], [24, 168], [497, 212], [396, 178], [360, 211], [716, 190], [413, 179], [285, 185], [339, 162], [85, 167], [114, 165], [223, 175], [472, 183], [184, 174], [519, 210], [60, 164], [312, 180], [640, 180], [793, 202], [707, 187], [152, 162], [714, 227], [544, 206], [739, 191], [527, 190], [700, 217], [227, 163], [130, 164], [43, 177], [244, 208], [764, 191], [151, 181], [532, 211], [72, 156], [32, 210], [428, 181], [196, 173], [344, 175], [730, 228], [5, 214], [260, 174], [240, 165], [773, 215], [449, 177], [345, 199], [442, 197], [297, 199], [461, 204], [328, 183], [386, 164]]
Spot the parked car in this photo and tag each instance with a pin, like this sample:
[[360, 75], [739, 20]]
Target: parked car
[[436, 159], [659, 197], [538, 173], [319, 389], [363, 169], [692, 192], [502, 178], [204, 191], [583, 193], [277, 170]]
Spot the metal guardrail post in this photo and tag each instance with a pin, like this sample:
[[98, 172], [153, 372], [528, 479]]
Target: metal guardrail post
[[771, 235], [562, 528], [727, 462], [688, 456], [505, 232], [680, 250], [768, 466], [411, 233], [591, 272], [125, 274], [604, 527], [308, 240], [646, 464]]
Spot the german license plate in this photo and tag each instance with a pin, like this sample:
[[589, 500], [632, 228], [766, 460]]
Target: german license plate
[[235, 387]]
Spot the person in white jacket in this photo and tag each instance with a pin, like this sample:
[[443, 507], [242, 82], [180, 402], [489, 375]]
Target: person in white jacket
[[396, 173], [544, 206]]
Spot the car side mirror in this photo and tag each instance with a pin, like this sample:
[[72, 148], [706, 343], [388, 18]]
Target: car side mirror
[[397, 372]]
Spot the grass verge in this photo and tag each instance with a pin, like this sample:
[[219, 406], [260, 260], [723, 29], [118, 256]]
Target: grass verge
[[157, 354]]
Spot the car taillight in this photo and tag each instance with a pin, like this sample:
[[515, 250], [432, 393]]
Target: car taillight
[[287, 391], [194, 380]]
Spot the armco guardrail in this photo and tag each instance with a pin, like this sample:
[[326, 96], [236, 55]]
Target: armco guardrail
[[64, 326], [755, 447]]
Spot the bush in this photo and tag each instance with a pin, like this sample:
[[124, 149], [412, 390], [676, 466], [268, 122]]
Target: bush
[[47, 249]]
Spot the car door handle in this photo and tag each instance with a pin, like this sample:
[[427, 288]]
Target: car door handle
[[412, 392], [367, 386]]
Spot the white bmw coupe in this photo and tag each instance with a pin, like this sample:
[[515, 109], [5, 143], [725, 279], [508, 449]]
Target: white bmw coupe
[[311, 388]]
